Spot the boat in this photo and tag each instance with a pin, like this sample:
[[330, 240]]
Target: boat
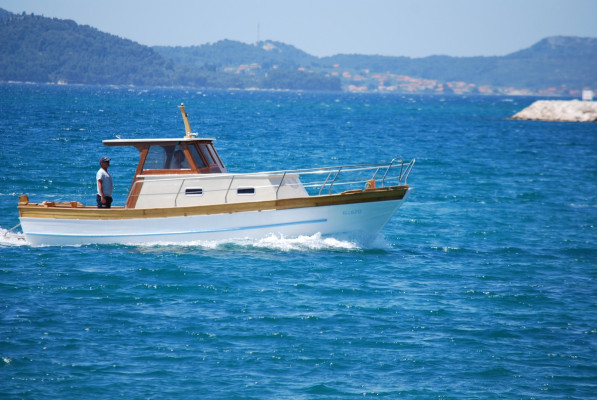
[[199, 200]]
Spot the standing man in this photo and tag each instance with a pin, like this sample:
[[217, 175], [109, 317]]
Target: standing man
[[104, 184]]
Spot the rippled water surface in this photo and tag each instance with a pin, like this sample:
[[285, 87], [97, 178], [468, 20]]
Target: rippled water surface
[[483, 285]]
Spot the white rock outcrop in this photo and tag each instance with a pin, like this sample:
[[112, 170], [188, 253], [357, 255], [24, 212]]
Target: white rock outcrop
[[560, 110]]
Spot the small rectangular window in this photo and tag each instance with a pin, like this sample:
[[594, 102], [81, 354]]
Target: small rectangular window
[[193, 191], [245, 190]]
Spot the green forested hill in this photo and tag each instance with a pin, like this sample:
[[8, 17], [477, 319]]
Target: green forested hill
[[39, 49], [231, 53]]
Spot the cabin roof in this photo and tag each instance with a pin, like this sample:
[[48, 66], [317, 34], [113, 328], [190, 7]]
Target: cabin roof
[[136, 142]]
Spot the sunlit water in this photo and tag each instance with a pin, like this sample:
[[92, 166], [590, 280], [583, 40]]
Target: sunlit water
[[481, 286]]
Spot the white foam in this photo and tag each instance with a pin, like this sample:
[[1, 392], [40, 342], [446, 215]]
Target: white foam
[[271, 242], [314, 242], [8, 238]]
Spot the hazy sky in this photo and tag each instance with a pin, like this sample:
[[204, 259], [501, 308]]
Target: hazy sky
[[413, 28]]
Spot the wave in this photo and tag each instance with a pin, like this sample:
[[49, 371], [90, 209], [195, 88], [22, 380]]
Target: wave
[[314, 242], [274, 242], [11, 238]]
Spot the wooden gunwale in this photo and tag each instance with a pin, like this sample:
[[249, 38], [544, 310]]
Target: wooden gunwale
[[60, 211]]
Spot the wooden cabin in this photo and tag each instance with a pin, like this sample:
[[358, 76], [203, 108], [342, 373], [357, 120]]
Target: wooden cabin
[[188, 171]]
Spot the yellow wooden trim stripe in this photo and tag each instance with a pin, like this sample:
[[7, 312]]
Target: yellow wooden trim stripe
[[63, 211]]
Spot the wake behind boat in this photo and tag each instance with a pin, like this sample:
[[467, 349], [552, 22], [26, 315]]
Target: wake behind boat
[[181, 192]]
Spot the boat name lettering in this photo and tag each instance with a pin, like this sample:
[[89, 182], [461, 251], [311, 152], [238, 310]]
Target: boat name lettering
[[352, 212]]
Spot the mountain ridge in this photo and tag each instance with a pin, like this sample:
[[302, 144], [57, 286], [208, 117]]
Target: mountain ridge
[[50, 50], [557, 65]]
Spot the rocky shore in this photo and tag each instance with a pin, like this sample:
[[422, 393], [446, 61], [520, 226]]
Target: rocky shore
[[560, 110]]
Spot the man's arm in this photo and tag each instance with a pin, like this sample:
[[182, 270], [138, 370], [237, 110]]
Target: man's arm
[[101, 190]]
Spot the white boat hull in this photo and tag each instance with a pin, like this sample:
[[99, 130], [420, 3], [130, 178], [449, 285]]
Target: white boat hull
[[358, 221]]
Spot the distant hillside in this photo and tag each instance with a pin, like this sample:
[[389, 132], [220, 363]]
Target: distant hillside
[[229, 53], [556, 65], [4, 14], [559, 60], [38, 49]]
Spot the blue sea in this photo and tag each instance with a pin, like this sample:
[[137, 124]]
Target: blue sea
[[482, 286]]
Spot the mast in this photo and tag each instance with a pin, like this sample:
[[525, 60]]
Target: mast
[[187, 125]]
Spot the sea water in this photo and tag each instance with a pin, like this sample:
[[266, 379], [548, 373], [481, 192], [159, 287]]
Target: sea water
[[483, 285]]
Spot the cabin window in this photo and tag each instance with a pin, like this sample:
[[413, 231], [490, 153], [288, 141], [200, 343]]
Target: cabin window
[[216, 158], [196, 157], [211, 157], [165, 157], [156, 158], [245, 191], [207, 155], [193, 191], [178, 159]]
